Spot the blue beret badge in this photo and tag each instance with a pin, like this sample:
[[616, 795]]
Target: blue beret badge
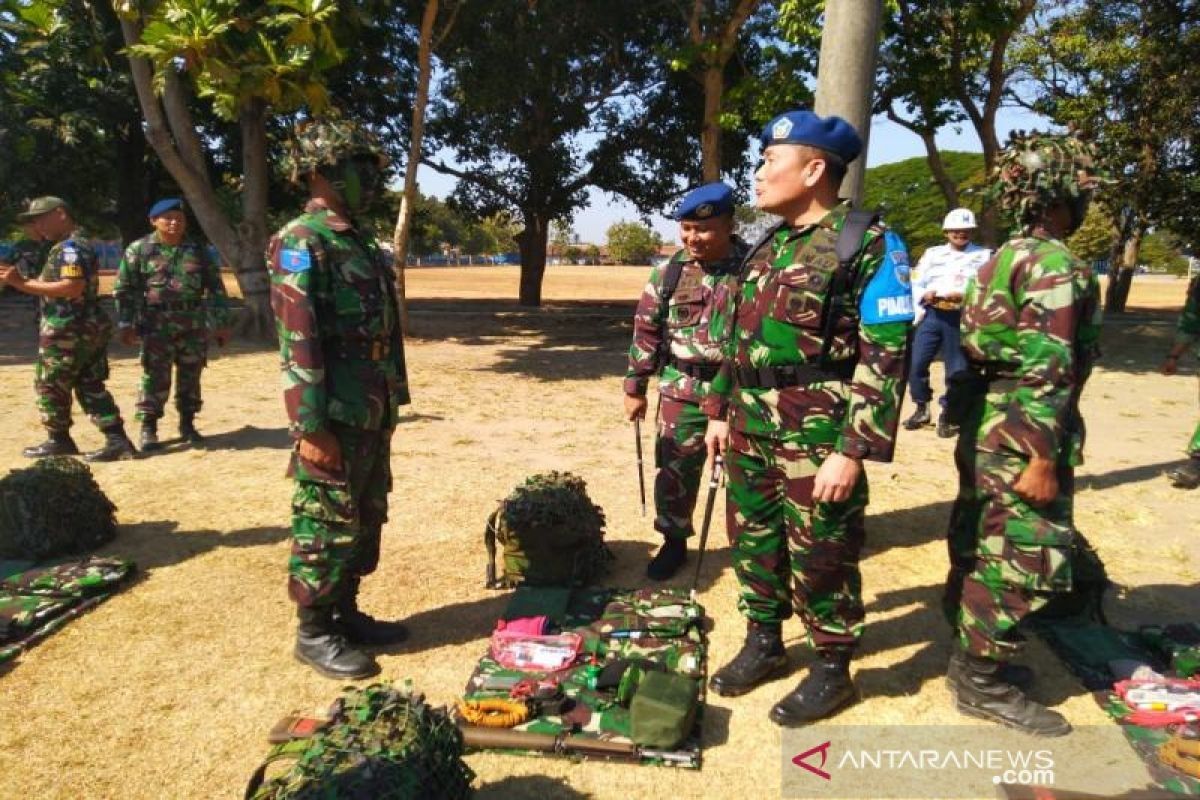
[[781, 129]]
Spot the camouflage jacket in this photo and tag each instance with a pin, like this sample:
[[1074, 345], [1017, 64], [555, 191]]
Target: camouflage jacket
[[153, 273], [776, 318], [688, 326], [338, 323], [73, 258], [1033, 314], [1188, 331]]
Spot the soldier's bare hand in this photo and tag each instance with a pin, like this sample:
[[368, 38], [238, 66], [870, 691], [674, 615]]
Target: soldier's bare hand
[[928, 297], [716, 437], [127, 336], [836, 478], [9, 275], [1037, 484], [322, 449], [635, 406]]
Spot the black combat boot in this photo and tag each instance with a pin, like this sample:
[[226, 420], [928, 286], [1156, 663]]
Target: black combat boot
[[667, 560], [761, 657], [944, 428], [361, 628], [825, 689], [117, 447], [320, 645], [148, 441], [58, 444], [980, 692], [919, 418], [1186, 475], [187, 429]]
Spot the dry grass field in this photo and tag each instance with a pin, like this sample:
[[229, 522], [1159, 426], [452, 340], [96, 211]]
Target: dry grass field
[[168, 689]]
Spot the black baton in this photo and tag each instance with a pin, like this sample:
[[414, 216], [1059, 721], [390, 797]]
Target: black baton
[[637, 435], [713, 483]]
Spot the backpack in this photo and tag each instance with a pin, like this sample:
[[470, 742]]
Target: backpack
[[550, 532], [379, 743]]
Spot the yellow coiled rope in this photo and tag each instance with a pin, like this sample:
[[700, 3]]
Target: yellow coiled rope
[[493, 713]]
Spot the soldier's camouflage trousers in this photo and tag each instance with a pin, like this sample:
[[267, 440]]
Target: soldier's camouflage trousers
[[780, 536], [74, 363], [679, 456], [170, 341], [1009, 559], [337, 516]]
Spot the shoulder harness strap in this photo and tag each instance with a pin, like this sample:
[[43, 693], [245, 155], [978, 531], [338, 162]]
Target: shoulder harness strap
[[848, 247]]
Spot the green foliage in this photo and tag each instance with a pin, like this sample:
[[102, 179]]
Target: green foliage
[[238, 52], [632, 242], [912, 202], [53, 508], [436, 224], [1094, 239], [1160, 252]]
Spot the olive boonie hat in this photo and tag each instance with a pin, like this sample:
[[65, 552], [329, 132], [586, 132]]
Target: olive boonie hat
[[41, 205]]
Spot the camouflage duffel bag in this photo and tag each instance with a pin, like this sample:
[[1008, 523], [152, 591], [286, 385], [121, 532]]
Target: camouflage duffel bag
[[551, 534], [380, 744]]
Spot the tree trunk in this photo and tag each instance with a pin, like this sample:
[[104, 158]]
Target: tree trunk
[[1117, 294], [257, 321], [404, 218], [532, 243], [938, 168], [710, 130], [846, 74]]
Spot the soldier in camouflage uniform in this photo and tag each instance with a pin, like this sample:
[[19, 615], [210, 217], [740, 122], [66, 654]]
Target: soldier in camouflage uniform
[[795, 425], [73, 337], [29, 254], [1187, 336], [344, 380], [1030, 327], [169, 291], [671, 340]]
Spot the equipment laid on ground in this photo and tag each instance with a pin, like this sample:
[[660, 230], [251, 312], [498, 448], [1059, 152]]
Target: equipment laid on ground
[[53, 508], [633, 690], [378, 742], [37, 602], [551, 534]]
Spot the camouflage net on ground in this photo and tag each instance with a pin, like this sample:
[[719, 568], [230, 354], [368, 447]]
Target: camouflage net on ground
[[53, 508], [382, 744]]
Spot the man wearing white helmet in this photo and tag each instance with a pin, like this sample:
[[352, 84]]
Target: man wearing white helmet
[[938, 283]]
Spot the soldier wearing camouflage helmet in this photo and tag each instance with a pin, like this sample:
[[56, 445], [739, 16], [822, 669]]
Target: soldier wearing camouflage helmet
[[1030, 327], [344, 380]]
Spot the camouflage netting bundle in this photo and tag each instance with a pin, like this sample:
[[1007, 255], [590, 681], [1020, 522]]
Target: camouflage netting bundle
[[382, 744], [551, 532], [51, 509]]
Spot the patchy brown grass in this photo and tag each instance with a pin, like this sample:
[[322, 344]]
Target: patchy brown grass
[[169, 689]]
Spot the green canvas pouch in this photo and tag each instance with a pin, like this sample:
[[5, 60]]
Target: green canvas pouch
[[663, 709]]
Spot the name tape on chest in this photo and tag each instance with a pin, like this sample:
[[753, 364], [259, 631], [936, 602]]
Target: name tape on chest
[[292, 260]]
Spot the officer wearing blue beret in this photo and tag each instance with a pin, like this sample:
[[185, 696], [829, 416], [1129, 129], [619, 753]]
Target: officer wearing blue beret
[[170, 294], [672, 341], [807, 391]]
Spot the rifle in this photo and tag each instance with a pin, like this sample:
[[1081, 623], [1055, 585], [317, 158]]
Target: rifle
[[637, 436], [713, 482]]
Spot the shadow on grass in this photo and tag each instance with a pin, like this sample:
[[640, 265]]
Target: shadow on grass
[[152, 545], [532, 787]]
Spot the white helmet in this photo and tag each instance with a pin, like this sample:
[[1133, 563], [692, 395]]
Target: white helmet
[[958, 220]]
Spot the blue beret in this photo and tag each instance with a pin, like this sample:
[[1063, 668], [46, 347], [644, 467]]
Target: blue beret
[[163, 206], [830, 133], [708, 201]]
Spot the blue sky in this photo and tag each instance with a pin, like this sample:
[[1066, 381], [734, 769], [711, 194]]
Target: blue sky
[[888, 143]]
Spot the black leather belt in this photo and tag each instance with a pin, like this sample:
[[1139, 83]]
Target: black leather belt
[[701, 372], [788, 375], [177, 305], [363, 349]]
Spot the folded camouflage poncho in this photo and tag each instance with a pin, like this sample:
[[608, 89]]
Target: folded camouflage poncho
[[587, 710], [37, 602]]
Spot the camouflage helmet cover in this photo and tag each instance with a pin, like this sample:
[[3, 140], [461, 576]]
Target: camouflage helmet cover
[[324, 142], [1035, 171]]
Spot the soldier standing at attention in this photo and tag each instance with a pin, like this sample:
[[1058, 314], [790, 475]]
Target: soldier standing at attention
[[671, 339], [938, 283], [806, 392], [72, 338], [1187, 336], [344, 380], [170, 293], [1030, 327]]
